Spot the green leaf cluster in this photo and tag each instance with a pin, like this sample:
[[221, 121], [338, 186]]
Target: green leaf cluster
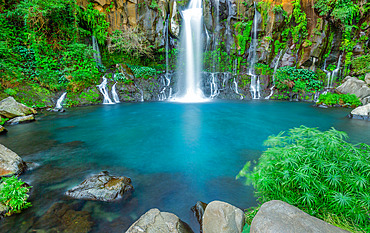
[[345, 100], [319, 172], [297, 80], [361, 65], [143, 71], [13, 194]]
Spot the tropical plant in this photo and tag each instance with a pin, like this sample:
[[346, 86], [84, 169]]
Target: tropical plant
[[345, 100], [297, 80], [143, 71], [319, 172], [14, 194]]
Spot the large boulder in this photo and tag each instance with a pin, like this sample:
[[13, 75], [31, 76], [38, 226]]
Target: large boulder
[[156, 221], [10, 108], [354, 86], [367, 79], [362, 112], [279, 217], [221, 217], [21, 119], [10, 162], [102, 187]]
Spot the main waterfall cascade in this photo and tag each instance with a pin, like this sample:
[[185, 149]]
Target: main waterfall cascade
[[190, 60], [252, 57]]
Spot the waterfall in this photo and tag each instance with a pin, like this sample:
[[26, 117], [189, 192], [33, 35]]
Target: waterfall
[[190, 59], [273, 74], [97, 55], [214, 88], [216, 36], [60, 101], [331, 75], [114, 94], [166, 80], [235, 63], [252, 57], [103, 89]]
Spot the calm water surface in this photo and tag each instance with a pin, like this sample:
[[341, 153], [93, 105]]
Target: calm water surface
[[176, 154]]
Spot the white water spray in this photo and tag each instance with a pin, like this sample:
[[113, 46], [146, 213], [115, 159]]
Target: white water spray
[[273, 75], [60, 101], [103, 89], [190, 60], [333, 74], [114, 94]]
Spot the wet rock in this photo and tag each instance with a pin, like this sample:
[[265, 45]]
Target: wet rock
[[10, 162], [157, 221], [221, 217], [21, 119], [198, 210], [62, 218], [102, 187], [354, 86], [10, 108], [3, 210], [367, 79], [278, 216], [362, 112], [3, 130]]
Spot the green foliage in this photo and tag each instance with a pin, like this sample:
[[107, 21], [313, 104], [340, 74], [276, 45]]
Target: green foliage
[[13, 194], [122, 78], [319, 172], [345, 100], [3, 120], [297, 80], [361, 65], [10, 91], [244, 34], [263, 69], [90, 96], [298, 31], [143, 72], [93, 23]]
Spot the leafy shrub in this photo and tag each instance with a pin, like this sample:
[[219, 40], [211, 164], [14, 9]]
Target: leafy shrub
[[143, 71], [13, 194], [361, 65], [10, 91], [297, 80], [345, 100], [318, 172]]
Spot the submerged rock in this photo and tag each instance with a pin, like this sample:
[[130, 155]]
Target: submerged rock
[[60, 217], [362, 112], [3, 130], [102, 187], [10, 108], [278, 216], [157, 221], [10, 162], [198, 210], [221, 217], [21, 119]]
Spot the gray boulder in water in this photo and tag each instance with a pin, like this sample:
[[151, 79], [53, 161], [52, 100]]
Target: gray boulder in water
[[279, 217], [102, 187], [10, 108], [10, 162], [157, 221]]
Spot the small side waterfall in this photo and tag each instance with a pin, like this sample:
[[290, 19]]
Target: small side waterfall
[[214, 88], [167, 80], [103, 89], [252, 57], [335, 72], [60, 101], [235, 83], [114, 94], [190, 59], [95, 45], [273, 75]]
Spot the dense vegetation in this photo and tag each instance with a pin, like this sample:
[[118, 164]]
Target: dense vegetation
[[318, 172], [14, 194], [344, 100]]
